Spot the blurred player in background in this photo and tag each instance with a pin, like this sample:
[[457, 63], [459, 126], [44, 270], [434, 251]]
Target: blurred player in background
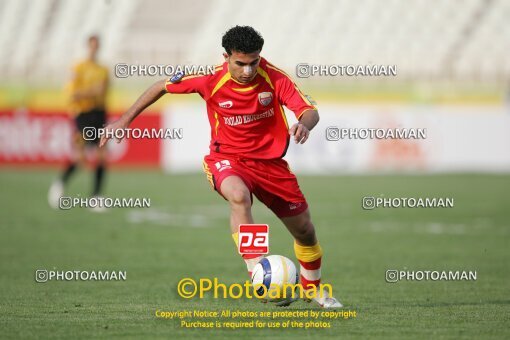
[[249, 137], [87, 90]]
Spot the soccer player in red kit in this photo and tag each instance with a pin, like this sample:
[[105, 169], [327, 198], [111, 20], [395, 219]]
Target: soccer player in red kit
[[249, 137]]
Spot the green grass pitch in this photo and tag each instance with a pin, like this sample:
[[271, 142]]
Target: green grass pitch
[[185, 233]]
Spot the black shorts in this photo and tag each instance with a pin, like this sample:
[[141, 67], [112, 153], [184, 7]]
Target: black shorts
[[90, 120]]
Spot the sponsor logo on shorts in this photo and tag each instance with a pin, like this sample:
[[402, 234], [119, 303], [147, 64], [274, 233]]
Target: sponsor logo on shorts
[[294, 206]]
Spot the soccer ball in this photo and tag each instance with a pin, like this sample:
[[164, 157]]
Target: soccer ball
[[278, 275]]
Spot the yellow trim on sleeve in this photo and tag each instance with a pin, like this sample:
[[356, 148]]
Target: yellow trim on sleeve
[[299, 116], [191, 76], [272, 67], [293, 83], [304, 97]]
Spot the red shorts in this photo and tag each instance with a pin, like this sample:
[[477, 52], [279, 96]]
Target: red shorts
[[271, 181]]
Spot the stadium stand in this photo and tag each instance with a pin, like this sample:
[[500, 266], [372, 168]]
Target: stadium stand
[[453, 40]]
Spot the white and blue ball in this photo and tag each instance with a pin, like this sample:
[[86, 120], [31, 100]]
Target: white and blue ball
[[274, 272]]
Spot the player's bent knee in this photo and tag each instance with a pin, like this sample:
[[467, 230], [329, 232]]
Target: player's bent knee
[[236, 192], [239, 197]]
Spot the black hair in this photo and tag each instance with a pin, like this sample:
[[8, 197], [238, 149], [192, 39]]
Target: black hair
[[242, 39]]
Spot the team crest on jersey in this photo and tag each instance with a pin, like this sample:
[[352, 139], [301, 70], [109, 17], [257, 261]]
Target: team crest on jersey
[[265, 98]]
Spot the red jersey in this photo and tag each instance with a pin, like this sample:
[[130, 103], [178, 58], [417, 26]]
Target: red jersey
[[247, 120]]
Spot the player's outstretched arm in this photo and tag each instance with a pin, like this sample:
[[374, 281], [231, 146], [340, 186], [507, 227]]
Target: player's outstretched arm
[[307, 122], [151, 95]]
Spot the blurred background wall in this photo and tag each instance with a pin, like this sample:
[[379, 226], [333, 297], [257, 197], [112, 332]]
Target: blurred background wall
[[451, 57]]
